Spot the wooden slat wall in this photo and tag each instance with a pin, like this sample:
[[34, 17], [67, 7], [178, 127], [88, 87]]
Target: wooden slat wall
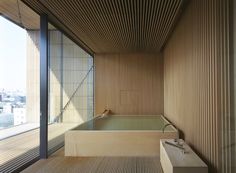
[[196, 81], [129, 83], [114, 26], [233, 83]]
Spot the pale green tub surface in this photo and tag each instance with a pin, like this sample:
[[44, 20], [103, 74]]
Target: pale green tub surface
[[126, 122]]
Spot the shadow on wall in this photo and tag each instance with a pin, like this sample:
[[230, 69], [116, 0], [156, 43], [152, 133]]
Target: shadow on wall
[[69, 65]]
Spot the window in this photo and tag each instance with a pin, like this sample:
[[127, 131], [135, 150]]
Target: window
[[19, 87], [71, 86]]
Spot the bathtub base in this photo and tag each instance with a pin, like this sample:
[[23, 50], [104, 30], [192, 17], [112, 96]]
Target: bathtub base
[[115, 143]]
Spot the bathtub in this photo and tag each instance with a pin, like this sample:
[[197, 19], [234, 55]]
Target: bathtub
[[119, 135]]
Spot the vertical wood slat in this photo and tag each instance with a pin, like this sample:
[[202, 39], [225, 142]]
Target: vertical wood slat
[[198, 53], [115, 26], [129, 83]]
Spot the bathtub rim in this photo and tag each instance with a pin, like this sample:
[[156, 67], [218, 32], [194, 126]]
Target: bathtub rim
[[96, 117]]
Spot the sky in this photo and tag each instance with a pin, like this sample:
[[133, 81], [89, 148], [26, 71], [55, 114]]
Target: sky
[[12, 56]]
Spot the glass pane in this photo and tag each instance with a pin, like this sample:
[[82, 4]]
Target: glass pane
[[19, 87], [71, 86]]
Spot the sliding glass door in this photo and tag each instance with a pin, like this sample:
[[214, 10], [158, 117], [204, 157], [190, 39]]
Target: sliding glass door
[[70, 86]]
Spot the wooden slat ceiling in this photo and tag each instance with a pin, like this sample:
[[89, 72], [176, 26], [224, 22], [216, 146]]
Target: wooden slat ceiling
[[113, 26]]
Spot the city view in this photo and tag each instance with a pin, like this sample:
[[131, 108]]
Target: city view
[[12, 108], [12, 82]]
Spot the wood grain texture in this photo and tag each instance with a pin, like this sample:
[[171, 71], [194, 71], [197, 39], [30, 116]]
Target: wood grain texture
[[20, 149], [115, 143], [196, 81], [57, 163], [233, 82], [129, 83], [113, 26]]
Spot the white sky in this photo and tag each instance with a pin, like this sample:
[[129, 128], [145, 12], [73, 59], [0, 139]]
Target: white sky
[[12, 56]]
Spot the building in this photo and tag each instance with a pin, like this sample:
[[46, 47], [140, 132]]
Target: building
[[19, 115], [8, 108], [143, 60]]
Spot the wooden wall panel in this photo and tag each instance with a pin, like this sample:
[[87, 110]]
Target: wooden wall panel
[[129, 83], [233, 84], [196, 81]]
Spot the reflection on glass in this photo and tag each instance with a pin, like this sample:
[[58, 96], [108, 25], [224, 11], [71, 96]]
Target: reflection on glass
[[71, 86]]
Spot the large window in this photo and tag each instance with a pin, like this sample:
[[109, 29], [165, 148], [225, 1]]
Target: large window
[[70, 86], [19, 90], [12, 75]]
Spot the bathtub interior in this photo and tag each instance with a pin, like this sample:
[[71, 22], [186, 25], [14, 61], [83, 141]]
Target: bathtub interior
[[127, 122]]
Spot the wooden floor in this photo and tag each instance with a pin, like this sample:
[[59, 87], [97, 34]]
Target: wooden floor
[[19, 149], [57, 163], [16, 130]]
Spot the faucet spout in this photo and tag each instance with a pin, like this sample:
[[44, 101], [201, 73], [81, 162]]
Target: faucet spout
[[163, 128]]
